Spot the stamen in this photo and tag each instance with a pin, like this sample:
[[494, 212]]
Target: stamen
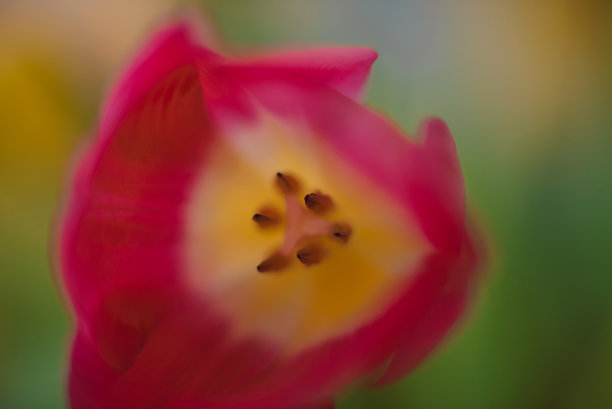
[[342, 232], [287, 183], [318, 203], [267, 217], [275, 262], [311, 255]]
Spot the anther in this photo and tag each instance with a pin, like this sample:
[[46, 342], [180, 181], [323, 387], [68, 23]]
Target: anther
[[318, 203], [342, 232], [287, 183], [267, 217], [275, 262], [311, 255]]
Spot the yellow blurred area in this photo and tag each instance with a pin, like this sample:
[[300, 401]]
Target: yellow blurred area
[[56, 57], [534, 63], [39, 118]]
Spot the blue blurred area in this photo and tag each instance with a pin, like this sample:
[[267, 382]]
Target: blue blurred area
[[527, 92]]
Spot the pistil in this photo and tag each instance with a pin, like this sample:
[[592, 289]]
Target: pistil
[[304, 226], [301, 225]]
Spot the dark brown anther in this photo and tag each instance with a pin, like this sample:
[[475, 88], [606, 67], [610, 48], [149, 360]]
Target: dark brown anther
[[318, 203], [267, 217], [311, 255], [287, 183], [276, 262], [342, 232]]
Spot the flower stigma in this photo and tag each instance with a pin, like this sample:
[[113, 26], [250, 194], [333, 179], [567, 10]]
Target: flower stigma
[[305, 228]]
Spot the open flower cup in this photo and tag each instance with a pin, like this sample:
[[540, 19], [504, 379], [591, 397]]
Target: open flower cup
[[245, 234]]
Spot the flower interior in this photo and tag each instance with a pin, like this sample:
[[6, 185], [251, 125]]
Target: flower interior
[[289, 242]]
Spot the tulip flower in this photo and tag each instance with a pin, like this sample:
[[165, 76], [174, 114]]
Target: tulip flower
[[244, 233]]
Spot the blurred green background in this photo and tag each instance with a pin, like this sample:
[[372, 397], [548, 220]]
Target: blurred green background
[[526, 87]]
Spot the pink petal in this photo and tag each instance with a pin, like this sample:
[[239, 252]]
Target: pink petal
[[170, 48], [319, 405], [123, 222], [90, 377], [435, 188], [345, 69], [434, 325]]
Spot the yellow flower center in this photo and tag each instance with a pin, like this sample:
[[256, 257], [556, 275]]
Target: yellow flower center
[[332, 249]]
